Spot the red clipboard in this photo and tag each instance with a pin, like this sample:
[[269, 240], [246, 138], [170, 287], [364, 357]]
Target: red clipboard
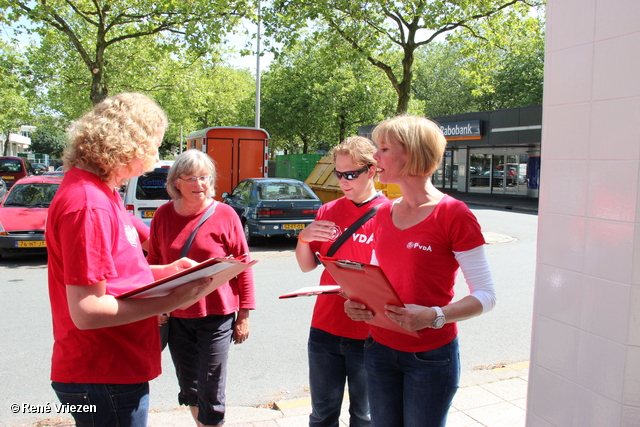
[[222, 270], [367, 284]]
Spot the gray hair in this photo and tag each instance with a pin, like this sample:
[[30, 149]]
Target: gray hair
[[189, 163]]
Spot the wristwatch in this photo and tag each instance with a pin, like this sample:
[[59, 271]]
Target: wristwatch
[[439, 321]]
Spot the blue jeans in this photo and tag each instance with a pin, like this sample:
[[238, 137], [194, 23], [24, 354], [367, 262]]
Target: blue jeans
[[116, 405], [333, 360], [199, 349], [411, 389]]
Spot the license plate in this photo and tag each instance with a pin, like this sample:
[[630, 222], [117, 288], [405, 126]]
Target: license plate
[[31, 244], [7, 178], [148, 214], [293, 226]]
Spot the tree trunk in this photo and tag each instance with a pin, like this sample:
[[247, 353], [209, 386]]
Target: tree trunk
[[404, 87], [99, 91], [342, 126], [6, 143]]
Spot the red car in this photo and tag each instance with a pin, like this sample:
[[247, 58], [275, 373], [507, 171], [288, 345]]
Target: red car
[[14, 168], [23, 213]]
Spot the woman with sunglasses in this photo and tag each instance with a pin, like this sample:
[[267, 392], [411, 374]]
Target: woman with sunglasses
[[200, 335], [335, 347], [421, 240]]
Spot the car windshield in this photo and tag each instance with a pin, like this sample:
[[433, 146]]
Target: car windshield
[[10, 165], [35, 195], [283, 190], [152, 186]]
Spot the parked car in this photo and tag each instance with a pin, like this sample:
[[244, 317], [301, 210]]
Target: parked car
[[23, 213], [273, 206], [14, 168], [39, 168], [146, 193]]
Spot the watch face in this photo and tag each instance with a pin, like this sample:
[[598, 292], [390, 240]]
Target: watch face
[[438, 323]]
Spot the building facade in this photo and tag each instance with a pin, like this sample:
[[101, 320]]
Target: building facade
[[492, 152]]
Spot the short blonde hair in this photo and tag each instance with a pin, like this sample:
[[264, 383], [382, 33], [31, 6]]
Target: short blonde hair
[[115, 132], [359, 148], [422, 139], [189, 163]]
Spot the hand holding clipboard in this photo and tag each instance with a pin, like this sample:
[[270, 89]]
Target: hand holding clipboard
[[368, 285]]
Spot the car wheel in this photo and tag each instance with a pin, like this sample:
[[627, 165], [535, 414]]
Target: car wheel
[[251, 240]]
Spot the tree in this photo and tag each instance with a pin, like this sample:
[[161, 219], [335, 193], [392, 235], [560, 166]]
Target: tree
[[49, 140], [95, 28], [14, 102], [440, 82], [316, 93], [375, 27], [505, 64], [500, 66]]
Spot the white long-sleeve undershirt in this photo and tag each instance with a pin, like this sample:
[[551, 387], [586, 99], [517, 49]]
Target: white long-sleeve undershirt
[[475, 269]]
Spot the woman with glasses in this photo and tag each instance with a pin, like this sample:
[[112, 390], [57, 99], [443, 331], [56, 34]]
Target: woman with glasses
[[422, 238], [335, 347], [200, 335]]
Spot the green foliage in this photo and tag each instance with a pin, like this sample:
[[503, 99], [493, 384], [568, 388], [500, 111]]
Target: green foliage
[[316, 93], [48, 140], [94, 30], [375, 28], [14, 104]]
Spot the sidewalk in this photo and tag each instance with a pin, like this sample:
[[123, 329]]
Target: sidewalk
[[497, 201], [489, 398]]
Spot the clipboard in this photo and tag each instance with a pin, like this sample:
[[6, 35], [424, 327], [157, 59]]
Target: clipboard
[[313, 290], [222, 270], [367, 284]]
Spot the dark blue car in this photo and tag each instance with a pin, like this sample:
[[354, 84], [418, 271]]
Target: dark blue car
[[273, 206]]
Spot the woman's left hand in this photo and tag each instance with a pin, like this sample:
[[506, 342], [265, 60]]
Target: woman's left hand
[[412, 317], [241, 326]]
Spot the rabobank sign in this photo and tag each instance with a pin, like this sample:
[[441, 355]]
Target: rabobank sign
[[469, 129]]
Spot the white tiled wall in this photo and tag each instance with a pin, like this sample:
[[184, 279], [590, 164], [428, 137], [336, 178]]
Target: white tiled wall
[[585, 349]]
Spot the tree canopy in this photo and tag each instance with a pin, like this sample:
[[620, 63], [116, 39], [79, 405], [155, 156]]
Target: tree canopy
[[95, 28], [48, 140], [316, 94], [373, 28], [14, 105]]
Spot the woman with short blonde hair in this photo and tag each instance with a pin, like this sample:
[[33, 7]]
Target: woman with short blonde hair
[[420, 137], [421, 239]]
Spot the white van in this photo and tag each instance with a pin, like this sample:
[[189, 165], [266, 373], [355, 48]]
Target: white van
[[144, 194]]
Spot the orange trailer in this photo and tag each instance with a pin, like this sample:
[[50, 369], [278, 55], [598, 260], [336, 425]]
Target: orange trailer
[[238, 152]]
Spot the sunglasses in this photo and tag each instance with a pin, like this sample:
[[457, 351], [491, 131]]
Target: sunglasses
[[350, 175]]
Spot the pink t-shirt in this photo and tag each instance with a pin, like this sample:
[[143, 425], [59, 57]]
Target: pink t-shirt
[[219, 236], [420, 264], [90, 238], [328, 313]]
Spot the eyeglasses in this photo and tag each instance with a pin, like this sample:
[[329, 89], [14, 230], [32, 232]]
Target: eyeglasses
[[350, 175], [194, 179]]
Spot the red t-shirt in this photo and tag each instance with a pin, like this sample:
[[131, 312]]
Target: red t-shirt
[[219, 236], [90, 238], [420, 264], [328, 313]]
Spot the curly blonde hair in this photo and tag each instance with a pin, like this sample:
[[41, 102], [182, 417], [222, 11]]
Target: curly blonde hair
[[116, 131], [422, 139]]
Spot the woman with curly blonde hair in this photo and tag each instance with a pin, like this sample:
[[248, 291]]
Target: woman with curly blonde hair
[[107, 349]]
